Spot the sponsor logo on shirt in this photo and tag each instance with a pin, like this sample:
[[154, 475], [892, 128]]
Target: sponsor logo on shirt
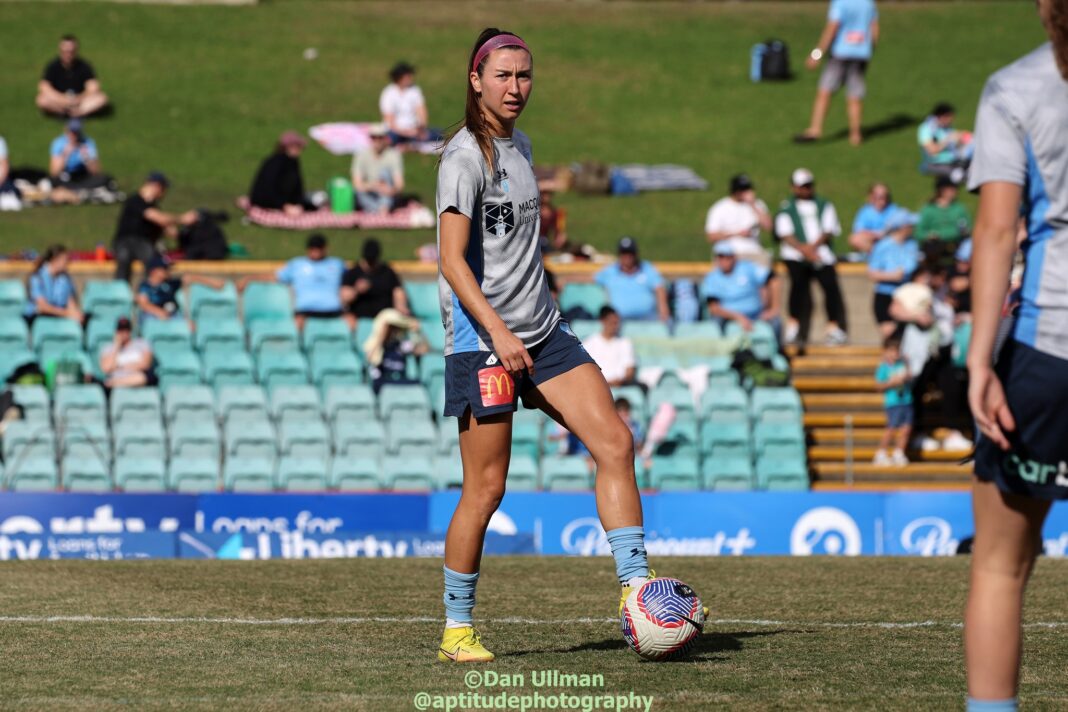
[[496, 386]]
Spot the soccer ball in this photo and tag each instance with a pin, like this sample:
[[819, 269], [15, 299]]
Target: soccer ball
[[662, 618]]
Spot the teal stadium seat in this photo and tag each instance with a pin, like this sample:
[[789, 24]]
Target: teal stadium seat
[[434, 331], [411, 399], [522, 474], [418, 439], [249, 474], [526, 437], [60, 333], [193, 474], [12, 297], [28, 440], [250, 439], [431, 365], [88, 439], [761, 339], [305, 439], [349, 401], [228, 369], [778, 405], [222, 335], [134, 439], [275, 368], [677, 395], [585, 295], [698, 330], [725, 406], [585, 328], [86, 475], [635, 329], [449, 440], [140, 474], [333, 368], [408, 474], [80, 402], [53, 353], [143, 405], [11, 359], [35, 401], [99, 332], [178, 369], [14, 334], [302, 474], [32, 474], [423, 299], [264, 300], [274, 335], [329, 333], [775, 474], [782, 441], [683, 438], [679, 472], [356, 473], [725, 440], [566, 473], [360, 334], [639, 407], [167, 333], [728, 474], [242, 403], [296, 403], [194, 439], [448, 472], [208, 303], [194, 403], [107, 295], [359, 438]]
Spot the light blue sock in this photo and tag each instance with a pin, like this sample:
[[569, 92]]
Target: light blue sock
[[1009, 705], [628, 548], [459, 595]]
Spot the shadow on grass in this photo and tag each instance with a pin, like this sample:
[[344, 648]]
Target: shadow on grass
[[890, 124], [707, 647]]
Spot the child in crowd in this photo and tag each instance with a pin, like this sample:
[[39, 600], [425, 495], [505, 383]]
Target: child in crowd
[[892, 377]]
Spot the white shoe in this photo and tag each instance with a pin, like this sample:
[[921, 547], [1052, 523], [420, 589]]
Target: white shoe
[[881, 459], [899, 459], [790, 332], [930, 445], [956, 441], [837, 337]]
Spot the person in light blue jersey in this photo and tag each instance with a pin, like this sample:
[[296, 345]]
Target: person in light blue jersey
[[869, 225], [847, 42], [1017, 393], [315, 279], [741, 291], [946, 151], [635, 288], [892, 262]]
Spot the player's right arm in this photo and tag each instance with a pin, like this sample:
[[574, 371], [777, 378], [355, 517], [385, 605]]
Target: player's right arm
[[455, 235]]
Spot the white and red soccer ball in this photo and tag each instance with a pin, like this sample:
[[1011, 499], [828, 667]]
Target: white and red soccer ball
[[662, 618]]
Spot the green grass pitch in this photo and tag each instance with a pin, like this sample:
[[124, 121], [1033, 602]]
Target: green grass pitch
[[202, 92], [813, 633]]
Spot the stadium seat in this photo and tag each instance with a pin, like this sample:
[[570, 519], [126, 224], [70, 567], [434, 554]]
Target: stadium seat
[[423, 299], [780, 405], [61, 333], [430, 366], [249, 474], [403, 398], [28, 440], [408, 438], [177, 368], [106, 295], [243, 403], [305, 439], [776, 474], [522, 474], [333, 368], [53, 353], [264, 300], [80, 402], [298, 403], [35, 401], [194, 439], [12, 359], [349, 401], [208, 303], [761, 338], [134, 439], [698, 330], [195, 403], [228, 369], [728, 473], [193, 474], [355, 473], [88, 439], [224, 335], [567, 473], [99, 332], [723, 379], [436, 389], [141, 404], [32, 474], [140, 474], [725, 406], [725, 440], [637, 329], [434, 331], [639, 408], [360, 333], [14, 334], [782, 441], [281, 368], [585, 328], [448, 472], [358, 438], [250, 440], [584, 295], [408, 474], [302, 474], [526, 437], [12, 297], [677, 395], [679, 472], [167, 333], [683, 438], [273, 334], [326, 332], [449, 439], [86, 475]]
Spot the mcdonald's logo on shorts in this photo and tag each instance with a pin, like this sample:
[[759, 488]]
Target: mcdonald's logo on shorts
[[496, 386]]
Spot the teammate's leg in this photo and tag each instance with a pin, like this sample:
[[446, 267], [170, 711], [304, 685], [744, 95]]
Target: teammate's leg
[[1007, 538]]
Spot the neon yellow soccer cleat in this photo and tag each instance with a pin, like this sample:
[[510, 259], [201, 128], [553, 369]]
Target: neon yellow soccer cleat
[[463, 645]]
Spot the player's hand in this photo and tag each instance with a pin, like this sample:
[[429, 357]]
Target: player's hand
[[512, 353], [986, 396]]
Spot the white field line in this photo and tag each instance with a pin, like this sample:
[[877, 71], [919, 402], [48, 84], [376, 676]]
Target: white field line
[[759, 623]]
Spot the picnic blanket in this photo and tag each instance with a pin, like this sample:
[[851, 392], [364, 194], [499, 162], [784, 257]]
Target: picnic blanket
[[633, 178], [412, 216], [346, 138]]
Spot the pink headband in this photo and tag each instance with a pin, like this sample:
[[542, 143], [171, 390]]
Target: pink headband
[[496, 42]]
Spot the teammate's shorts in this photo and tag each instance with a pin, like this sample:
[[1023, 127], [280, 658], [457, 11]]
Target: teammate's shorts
[[848, 72], [1036, 388], [477, 380], [881, 306], [898, 416]]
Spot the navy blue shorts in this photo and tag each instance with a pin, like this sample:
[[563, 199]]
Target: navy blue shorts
[[476, 379], [1036, 465], [898, 416]]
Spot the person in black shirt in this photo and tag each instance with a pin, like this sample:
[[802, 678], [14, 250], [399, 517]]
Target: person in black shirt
[[69, 86], [142, 224], [371, 286], [157, 297], [278, 184]]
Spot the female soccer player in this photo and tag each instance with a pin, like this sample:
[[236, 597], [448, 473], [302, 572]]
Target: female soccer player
[[505, 337], [1020, 460]]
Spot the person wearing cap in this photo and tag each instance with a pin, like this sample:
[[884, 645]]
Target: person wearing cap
[[403, 107], [157, 296], [892, 262], [847, 42], [635, 288], [278, 184], [127, 362], [741, 291], [944, 221], [371, 286], [377, 173], [738, 218], [315, 279], [69, 86], [73, 155], [805, 226], [869, 225], [142, 224], [946, 150]]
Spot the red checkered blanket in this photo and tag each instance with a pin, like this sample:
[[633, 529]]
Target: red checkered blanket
[[412, 216]]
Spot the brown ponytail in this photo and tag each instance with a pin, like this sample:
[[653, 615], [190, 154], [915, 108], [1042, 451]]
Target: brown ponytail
[[1055, 17], [50, 253], [474, 121]]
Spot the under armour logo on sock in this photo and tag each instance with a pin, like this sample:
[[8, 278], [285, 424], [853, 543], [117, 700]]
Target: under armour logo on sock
[[635, 552], [454, 597]]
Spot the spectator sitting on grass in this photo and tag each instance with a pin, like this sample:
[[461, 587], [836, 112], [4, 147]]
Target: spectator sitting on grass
[[69, 86], [869, 226], [741, 291], [944, 221], [157, 297], [315, 279], [7, 187], [278, 184], [74, 157], [892, 262], [371, 286], [635, 288], [946, 151], [404, 108], [377, 173], [50, 288], [738, 218], [127, 362], [892, 378], [613, 354]]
